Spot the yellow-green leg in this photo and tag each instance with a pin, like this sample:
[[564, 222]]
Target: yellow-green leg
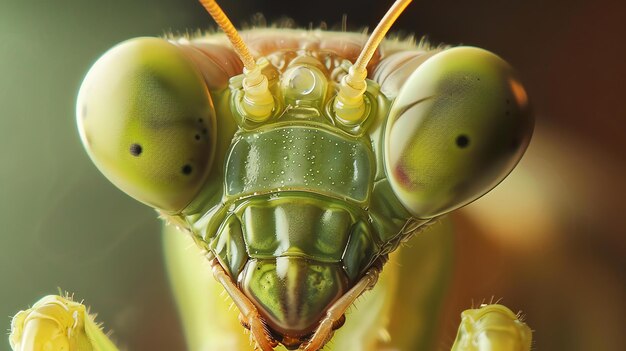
[[492, 328], [60, 324]]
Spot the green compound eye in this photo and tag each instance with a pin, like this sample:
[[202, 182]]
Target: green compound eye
[[146, 118], [459, 125]]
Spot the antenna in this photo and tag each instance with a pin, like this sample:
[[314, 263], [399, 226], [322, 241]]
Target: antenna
[[349, 104], [258, 102]]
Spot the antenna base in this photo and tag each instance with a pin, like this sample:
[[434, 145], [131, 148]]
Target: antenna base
[[257, 102], [349, 104]]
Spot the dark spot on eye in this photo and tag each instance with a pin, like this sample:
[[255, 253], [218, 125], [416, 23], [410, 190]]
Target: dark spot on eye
[[462, 141], [187, 169], [197, 136], [204, 131], [200, 120], [508, 101], [135, 149], [507, 112]]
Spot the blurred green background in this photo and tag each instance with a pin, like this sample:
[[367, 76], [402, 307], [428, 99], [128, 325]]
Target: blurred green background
[[550, 240]]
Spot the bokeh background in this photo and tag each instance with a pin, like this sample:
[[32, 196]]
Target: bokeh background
[[550, 240]]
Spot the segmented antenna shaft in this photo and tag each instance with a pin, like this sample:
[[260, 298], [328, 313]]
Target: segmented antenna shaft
[[379, 34], [222, 20]]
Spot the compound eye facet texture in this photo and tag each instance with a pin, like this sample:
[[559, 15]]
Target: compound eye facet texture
[[458, 126], [146, 119]]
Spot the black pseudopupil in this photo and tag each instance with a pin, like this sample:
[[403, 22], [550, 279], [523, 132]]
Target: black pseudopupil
[[135, 149], [462, 141]]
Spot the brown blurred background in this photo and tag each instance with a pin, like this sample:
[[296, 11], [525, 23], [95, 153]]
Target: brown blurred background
[[550, 241]]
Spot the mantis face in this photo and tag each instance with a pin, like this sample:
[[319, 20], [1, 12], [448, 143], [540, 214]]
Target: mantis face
[[301, 176]]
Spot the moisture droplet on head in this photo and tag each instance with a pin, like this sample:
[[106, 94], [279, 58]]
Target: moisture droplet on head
[[135, 149]]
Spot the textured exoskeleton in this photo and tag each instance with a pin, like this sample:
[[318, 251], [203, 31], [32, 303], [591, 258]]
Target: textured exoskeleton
[[298, 201]]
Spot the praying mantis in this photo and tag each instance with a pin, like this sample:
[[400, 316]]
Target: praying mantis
[[296, 162]]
